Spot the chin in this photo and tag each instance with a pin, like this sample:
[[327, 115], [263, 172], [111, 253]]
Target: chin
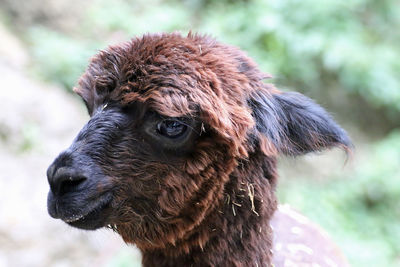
[[76, 212], [95, 219]]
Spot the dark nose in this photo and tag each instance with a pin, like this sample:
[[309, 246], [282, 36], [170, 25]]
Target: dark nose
[[64, 179]]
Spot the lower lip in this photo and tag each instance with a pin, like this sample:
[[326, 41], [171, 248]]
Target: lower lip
[[90, 216]]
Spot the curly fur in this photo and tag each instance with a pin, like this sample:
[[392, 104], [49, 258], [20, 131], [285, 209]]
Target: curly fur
[[210, 202]]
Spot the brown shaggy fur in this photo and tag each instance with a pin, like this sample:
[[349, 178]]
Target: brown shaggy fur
[[192, 76], [211, 205]]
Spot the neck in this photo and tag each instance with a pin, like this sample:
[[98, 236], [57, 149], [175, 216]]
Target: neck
[[237, 232]]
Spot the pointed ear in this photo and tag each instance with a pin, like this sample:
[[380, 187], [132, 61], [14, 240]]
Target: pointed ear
[[295, 124]]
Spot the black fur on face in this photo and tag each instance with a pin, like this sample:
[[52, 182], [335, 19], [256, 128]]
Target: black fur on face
[[116, 142]]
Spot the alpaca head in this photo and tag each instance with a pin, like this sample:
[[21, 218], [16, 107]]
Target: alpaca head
[[171, 118]]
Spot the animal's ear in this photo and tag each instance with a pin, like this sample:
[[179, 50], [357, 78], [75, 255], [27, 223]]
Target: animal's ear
[[294, 124]]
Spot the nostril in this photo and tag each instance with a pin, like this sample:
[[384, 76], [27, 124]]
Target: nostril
[[69, 184], [64, 179]]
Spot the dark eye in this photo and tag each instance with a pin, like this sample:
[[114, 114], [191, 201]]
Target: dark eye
[[171, 128]]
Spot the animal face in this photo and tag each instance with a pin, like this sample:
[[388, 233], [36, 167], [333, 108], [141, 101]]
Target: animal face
[[120, 166], [171, 118], [160, 141]]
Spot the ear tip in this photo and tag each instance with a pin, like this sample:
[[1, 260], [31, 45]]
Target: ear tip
[[345, 139], [345, 143]]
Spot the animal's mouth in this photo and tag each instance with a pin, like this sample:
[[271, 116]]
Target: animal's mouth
[[94, 217]]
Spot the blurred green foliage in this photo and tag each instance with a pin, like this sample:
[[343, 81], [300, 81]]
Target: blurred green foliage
[[29, 137], [309, 44], [57, 57], [325, 48], [365, 205], [124, 258]]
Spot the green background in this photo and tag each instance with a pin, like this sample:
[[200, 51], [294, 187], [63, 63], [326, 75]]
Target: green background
[[344, 54]]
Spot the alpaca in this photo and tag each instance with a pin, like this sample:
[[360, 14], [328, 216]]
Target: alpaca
[[179, 155]]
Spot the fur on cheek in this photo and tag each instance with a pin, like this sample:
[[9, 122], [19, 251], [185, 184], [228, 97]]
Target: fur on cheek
[[184, 201]]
